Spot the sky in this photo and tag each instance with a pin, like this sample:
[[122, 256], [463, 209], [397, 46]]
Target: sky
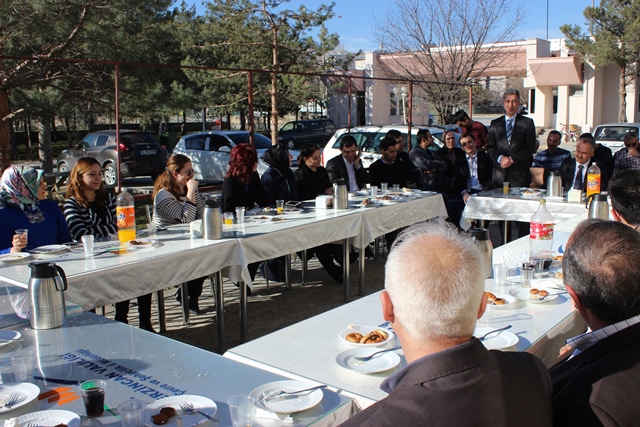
[[357, 17]]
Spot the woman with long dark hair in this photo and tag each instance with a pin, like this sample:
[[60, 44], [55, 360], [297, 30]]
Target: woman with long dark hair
[[176, 200], [90, 210]]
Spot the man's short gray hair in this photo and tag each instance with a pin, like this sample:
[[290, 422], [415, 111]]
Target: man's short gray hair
[[511, 91], [434, 279]]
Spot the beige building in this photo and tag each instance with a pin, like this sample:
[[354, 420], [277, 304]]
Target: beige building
[[558, 88]]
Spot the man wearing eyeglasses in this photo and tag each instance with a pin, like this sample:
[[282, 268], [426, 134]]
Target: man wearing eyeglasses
[[629, 157], [477, 174]]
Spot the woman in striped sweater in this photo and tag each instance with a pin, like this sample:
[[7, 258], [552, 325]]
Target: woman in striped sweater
[[90, 210], [176, 200]]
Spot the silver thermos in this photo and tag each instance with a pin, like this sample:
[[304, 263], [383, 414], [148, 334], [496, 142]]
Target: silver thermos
[[599, 206], [554, 184], [483, 243], [212, 221], [46, 298], [340, 195]]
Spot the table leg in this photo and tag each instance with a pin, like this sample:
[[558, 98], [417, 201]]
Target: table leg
[[376, 249], [305, 272], [363, 255], [287, 270], [216, 282], [244, 322], [184, 298], [505, 233], [346, 249], [161, 313]]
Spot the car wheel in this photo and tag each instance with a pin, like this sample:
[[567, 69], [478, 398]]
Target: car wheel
[[63, 167], [291, 144], [110, 174]]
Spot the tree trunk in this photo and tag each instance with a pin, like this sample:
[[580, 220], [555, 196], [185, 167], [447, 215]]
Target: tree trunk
[[45, 152], [243, 120], [5, 150], [622, 95]]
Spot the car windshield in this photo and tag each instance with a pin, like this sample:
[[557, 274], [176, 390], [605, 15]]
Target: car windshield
[[613, 133], [137, 138], [260, 141]]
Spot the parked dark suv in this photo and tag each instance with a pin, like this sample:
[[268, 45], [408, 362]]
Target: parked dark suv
[[140, 154], [296, 134]]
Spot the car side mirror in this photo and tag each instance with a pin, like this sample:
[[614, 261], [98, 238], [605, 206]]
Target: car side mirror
[[224, 149], [80, 146]]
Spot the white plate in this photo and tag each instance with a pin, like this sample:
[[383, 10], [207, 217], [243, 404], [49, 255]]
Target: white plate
[[258, 218], [502, 339], [508, 300], [145, 244], [288, 406], [5, 336], [181, 419], [288, 211], [380, 363], [523, 295], [14, 257], [28, 390], [364, 330], [49, 418], [50, 249]]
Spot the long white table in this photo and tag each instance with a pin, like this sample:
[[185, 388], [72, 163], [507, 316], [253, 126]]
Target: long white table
[[494, 206], [141, 365], [312, 345]]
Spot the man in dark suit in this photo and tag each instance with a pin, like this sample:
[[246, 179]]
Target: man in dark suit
[[451, 379], [388, 168], [455, 159], [348, 166], [476, 175], [574, 171], [598, 382], [511, 143]]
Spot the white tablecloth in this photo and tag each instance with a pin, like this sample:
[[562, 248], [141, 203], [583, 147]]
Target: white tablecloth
[[494, 206], [141, 365]]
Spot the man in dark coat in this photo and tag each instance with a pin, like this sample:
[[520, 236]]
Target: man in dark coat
[[348, 166], [573, 171], [597, 382], [450, 379]]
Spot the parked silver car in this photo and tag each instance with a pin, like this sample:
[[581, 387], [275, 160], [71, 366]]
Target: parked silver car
[[209, 152], [612, 134]]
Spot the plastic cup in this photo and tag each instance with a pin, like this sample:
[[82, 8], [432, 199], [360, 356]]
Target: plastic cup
[[242, 410], [500, 274], [22, 364], [152, 232], [132, 413], [240, 215], [227, 218], [374, 191], [24, 232], [383, 187], [526, 274], [87, 243], [279, 207], [538, 263], [505, 187], [396, 188], [93, 397], [485, 320]]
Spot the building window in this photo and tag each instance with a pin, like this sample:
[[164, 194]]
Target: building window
[[532, 101], [393, 104]]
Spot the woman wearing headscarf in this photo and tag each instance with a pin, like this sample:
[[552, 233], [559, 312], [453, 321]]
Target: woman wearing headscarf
[[279, 181], [23, 206]]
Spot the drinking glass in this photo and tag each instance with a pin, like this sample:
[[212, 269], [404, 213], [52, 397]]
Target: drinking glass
[[22, 363], [374, 191], [227, 218], [132, 413], [526, 274], [240, 215], [87, 243], [93, 397], [396, 188], [279, 207], [505, 187], [152, 232], [500, 274], [383, 188], [24, 232], [242, 410]]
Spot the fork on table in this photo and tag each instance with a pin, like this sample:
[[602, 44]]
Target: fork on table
[[14, 399], [281, 394], [188, 409], [371, 356]]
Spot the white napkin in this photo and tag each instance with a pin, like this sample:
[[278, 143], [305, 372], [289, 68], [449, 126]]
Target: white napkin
[[263, 413]]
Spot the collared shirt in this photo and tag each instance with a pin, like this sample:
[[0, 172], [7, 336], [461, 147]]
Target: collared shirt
[[545, 159], [473, 183], [351, 171], [583, 341], [392, 381], [623, 160], [584, 171]]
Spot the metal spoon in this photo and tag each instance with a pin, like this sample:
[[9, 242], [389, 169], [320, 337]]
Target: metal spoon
[[482, 338]]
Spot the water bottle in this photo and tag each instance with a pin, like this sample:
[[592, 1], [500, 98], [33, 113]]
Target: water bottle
[[212, 221], [125, 217], [593, 180], [541, 232]]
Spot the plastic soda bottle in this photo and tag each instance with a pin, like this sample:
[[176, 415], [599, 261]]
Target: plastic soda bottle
[[593, 180], [125, 217], [541, 232]]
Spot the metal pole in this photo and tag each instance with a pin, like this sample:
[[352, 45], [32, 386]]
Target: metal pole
[[250, 101], [410, 116], [117, 102], [349, 106]]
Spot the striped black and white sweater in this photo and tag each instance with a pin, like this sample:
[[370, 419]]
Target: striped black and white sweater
[[169, 210], [83, 220]]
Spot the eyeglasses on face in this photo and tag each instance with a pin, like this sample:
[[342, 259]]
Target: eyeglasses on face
[[188, 172]]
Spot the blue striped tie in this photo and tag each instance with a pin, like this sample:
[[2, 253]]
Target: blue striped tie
[[509, 130]]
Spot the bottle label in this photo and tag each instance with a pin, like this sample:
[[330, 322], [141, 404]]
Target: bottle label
[[541, 231], [126, 217], [593, 184]]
